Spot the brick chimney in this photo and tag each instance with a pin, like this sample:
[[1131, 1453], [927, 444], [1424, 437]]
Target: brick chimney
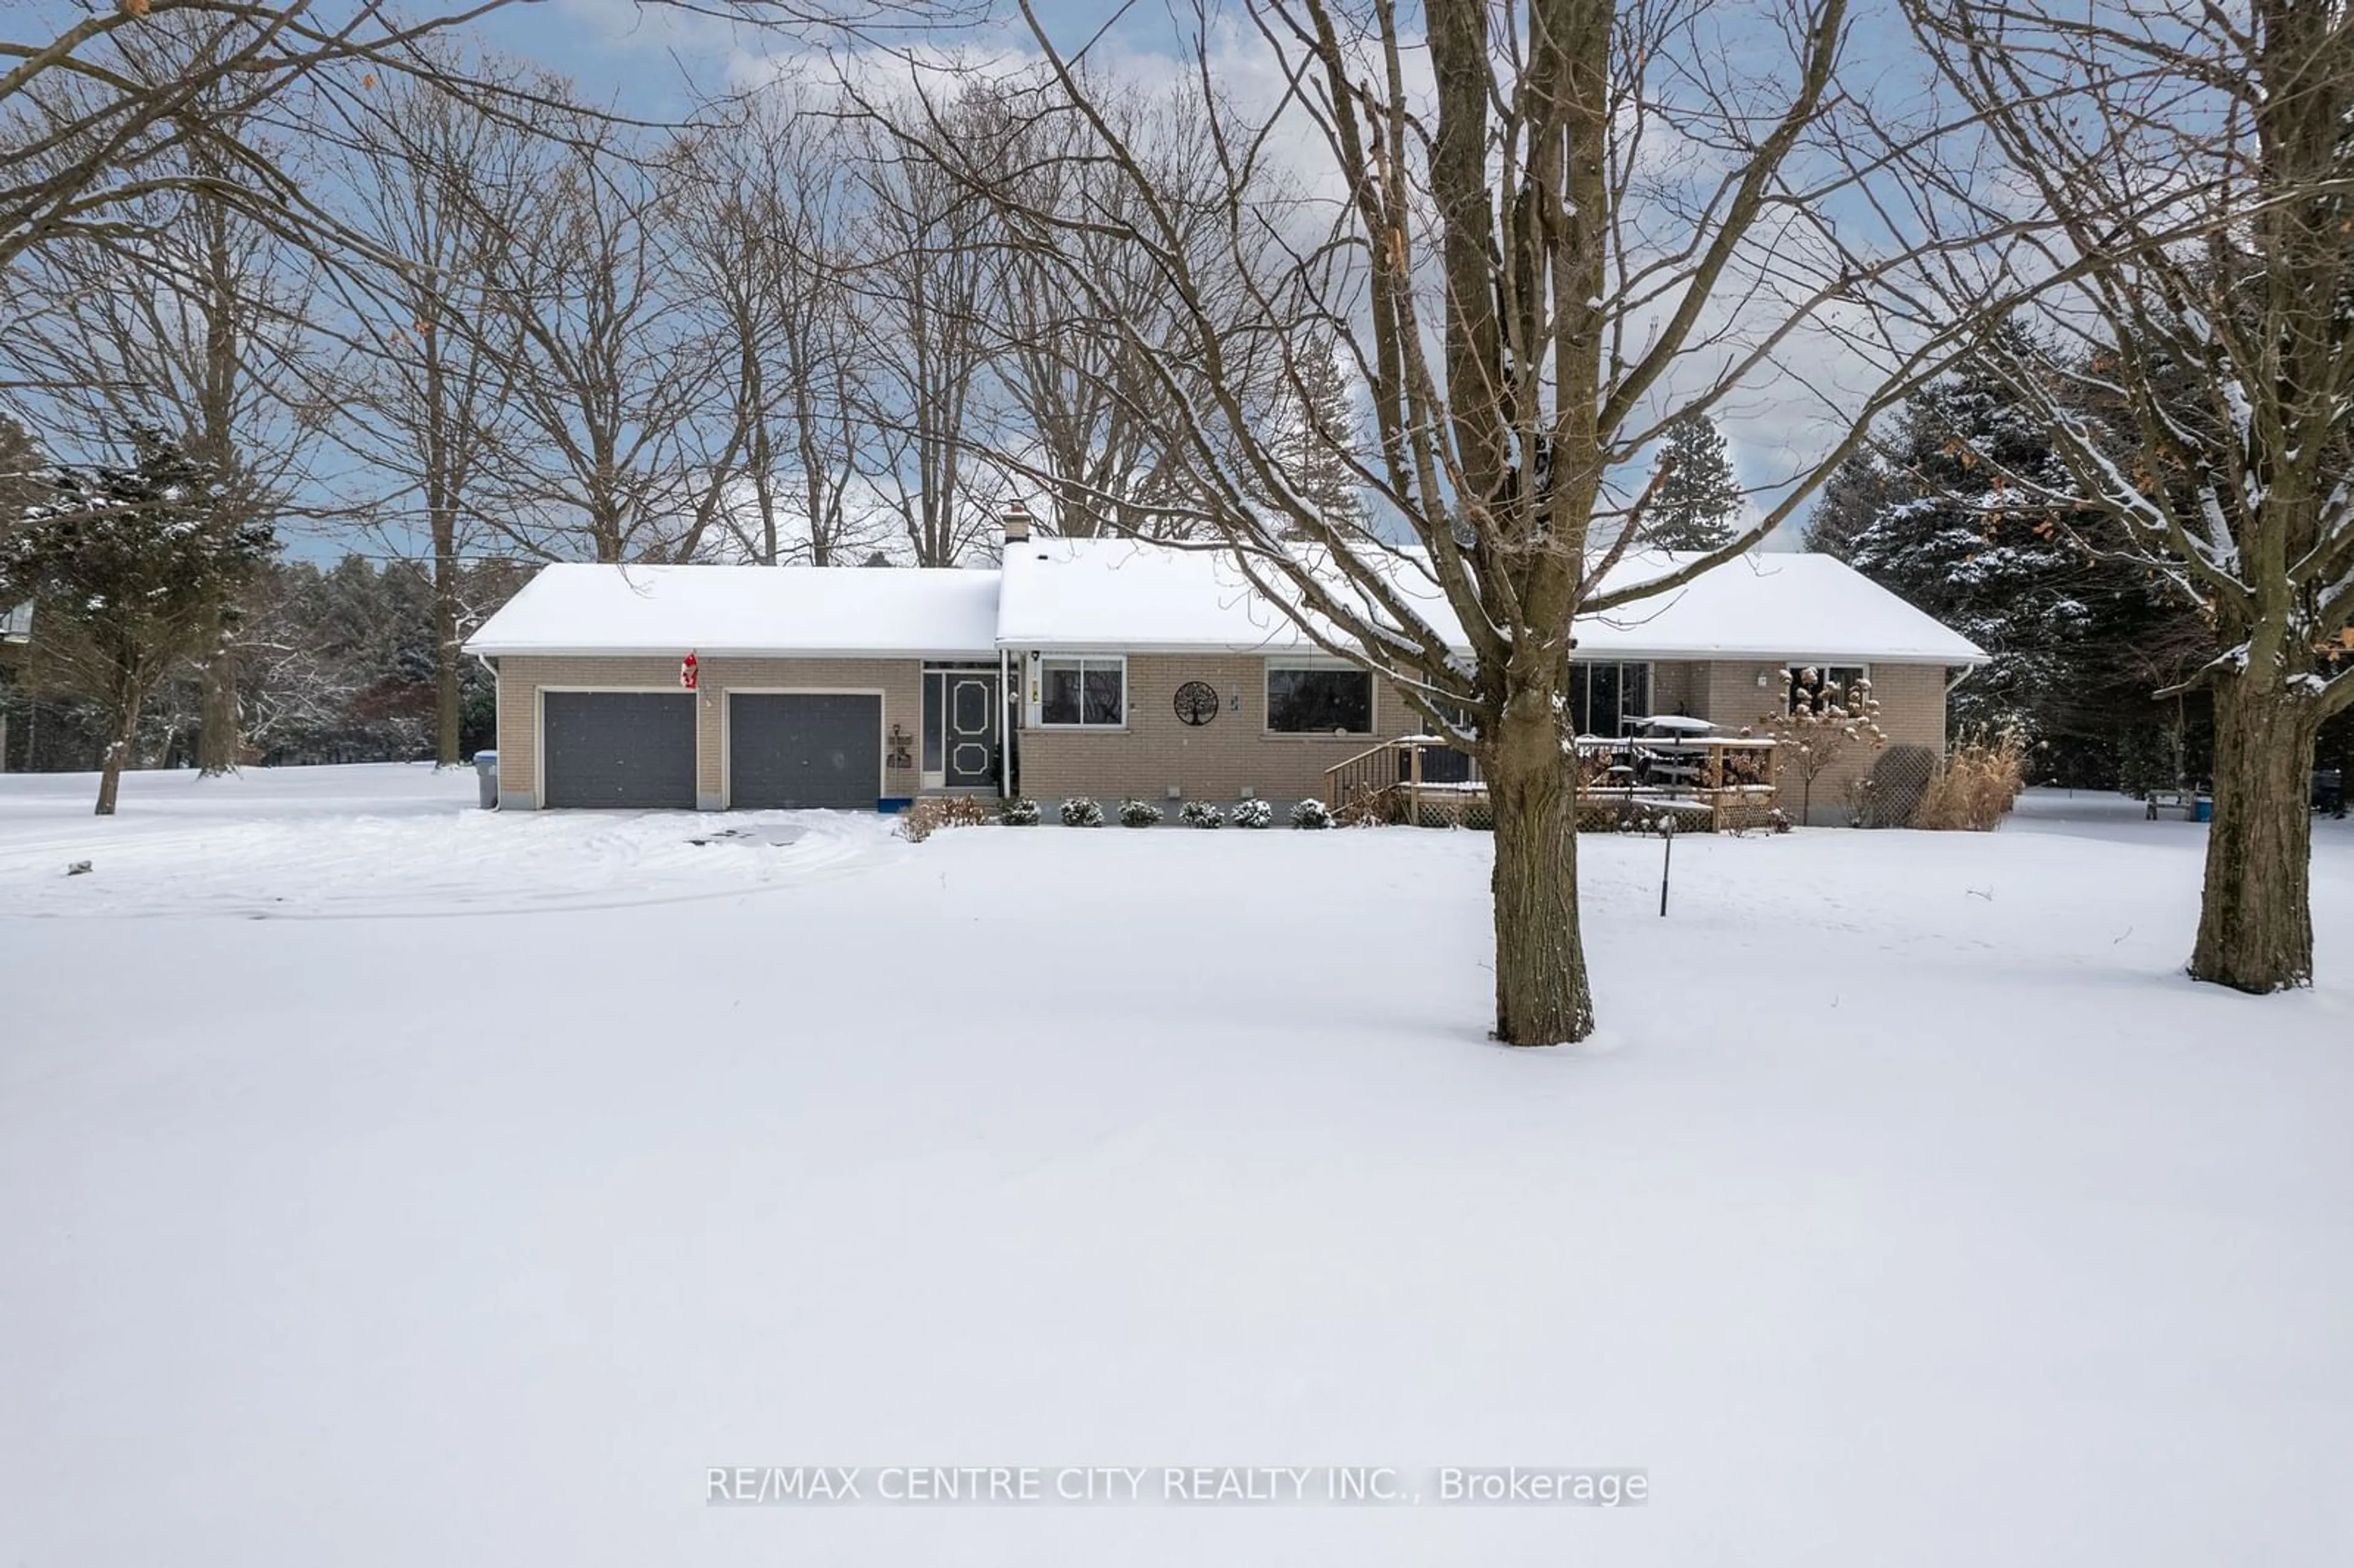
[[1017, 523]]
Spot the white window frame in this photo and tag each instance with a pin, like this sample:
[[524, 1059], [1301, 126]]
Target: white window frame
[[1828, 669], [1038, 708], [1308, 661]]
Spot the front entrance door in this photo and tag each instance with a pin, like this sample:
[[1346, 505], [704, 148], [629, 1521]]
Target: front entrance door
[[970, 707]]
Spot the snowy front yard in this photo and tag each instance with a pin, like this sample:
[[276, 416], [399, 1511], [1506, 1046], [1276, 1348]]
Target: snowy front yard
[[386, 1182]]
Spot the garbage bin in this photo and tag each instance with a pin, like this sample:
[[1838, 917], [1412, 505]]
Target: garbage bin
[[487, 774], [2203, 809]]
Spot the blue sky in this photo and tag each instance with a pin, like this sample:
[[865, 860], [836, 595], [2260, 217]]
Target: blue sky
[[650, 59], [655, 62]]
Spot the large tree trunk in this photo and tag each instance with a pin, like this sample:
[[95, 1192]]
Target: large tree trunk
[[218, 739], [1542, 997], [445, 642], [119, 751], [2256, 922]]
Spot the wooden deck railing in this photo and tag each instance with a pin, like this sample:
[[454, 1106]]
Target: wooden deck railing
[[1728, 780], [1413, 759]]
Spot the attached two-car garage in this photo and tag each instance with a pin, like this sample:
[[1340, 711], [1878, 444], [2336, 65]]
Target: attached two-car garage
[[784, 750], [673, 687]]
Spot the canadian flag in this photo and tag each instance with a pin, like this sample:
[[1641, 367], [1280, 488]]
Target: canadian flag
[[687, 672]]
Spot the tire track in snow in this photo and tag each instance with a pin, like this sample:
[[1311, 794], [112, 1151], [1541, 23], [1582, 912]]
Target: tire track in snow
[[369, 867]]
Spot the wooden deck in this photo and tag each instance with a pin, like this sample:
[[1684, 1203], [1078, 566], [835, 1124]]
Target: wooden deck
[[1710, 783]]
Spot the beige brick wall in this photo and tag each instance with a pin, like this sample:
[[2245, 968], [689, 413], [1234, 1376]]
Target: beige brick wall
[[521, 679], [1725, 692], [1912, 712], [1673, 689], [1216, 761]]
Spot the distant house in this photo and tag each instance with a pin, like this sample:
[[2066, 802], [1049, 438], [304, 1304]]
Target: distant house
[[1103, 667]]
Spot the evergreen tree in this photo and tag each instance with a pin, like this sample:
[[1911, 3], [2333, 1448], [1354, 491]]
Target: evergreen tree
[[1961, 523], [1320, 440], [1698, 501], [342, 667], [1852, 501], [128, 569]]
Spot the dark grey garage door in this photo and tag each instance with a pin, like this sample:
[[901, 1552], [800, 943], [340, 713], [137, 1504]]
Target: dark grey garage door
[[619, 749], [805, 749]]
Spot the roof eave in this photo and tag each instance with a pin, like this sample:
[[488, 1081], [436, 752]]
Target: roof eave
[[712, 651], [1692, 655]]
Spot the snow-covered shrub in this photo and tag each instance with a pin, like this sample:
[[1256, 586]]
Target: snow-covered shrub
[[1082, 812], [1201, 814], [1311, 813], [1019, 812], [1253, 814], [1137, 813], [1778, 820]]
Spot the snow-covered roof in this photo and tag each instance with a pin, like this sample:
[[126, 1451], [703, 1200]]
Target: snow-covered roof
[[1772, 605], [1125, 594], [1118, 594], [1115, 595], [821, 611]]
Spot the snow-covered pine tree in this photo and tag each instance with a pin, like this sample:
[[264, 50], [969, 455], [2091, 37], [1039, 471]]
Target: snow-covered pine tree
[[2008, 579], [1852, 501], [1698, 501], [1963, 523], [128, 569], [1321, 438]]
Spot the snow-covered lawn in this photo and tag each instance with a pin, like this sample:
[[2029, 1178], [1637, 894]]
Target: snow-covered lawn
[[386, 1182]]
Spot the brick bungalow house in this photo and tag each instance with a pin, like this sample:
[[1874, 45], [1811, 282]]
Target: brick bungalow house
[[1102, 667]]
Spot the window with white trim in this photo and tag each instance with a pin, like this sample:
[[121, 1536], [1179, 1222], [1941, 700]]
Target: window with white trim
[[1083, 694], [1820, 687], [1319, 699]]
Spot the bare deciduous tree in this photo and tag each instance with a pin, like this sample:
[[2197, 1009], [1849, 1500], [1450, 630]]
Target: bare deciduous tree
[[202, 329], [91, 136], [619, 439], [1081, 413], [925, 292], [771, 242], [1536, 232], [2199, 162], [432, 183]]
